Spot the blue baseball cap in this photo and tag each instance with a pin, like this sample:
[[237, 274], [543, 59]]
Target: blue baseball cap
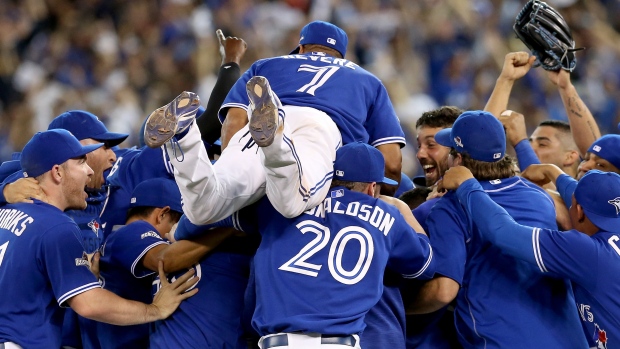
[[405, 184], [86, 125], [477, 133], [323, 33], [49, 148], [157, 192], [608, 148], [599, 195], [360, 162]]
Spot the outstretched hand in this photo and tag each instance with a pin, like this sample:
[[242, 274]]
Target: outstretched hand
[[454, 177], [515, 126], [560, 78], [170, 295], [516, 65], [232, 48]]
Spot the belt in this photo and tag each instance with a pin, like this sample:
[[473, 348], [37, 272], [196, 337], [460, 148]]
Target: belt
[[281, 340]]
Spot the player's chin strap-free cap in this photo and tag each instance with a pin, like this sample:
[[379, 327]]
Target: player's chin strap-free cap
[[49, 148], [323, 33], [477, 133], [86, 125], [599, 195], [157, 192], [608, 148], [360, 162]]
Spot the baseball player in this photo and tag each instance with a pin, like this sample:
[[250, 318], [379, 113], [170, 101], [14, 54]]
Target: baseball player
[[305, 267], [586, 255], [130, 255], [39, 241], [501, 301], [325, 97]]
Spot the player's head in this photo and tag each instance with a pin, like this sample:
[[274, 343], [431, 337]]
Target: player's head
[[157, 201], [432, 156], [324, 37], [553, 143], [603, 155], [360, 167], [478, 142], [58, 161], [596, 203], [88, 129], [415, 197]]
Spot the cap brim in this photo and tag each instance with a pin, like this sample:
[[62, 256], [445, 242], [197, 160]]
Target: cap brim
[[111, 138], [605, 223], [389, 181], [88, 148], [444, 137]]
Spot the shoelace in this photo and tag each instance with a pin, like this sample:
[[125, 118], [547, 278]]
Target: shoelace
[[174, 145]]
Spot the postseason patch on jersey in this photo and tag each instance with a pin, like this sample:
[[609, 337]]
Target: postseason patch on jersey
[[83, 261]]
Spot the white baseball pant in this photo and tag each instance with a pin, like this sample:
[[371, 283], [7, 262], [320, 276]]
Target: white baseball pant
[[295, 171]]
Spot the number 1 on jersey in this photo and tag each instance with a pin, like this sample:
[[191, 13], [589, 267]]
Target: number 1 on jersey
[[3, 248]]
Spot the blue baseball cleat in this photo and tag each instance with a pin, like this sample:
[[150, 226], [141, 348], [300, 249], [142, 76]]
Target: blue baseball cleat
[[173, 118], [263, 111]]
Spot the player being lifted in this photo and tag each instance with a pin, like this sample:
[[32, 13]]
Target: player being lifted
[[314, 101]]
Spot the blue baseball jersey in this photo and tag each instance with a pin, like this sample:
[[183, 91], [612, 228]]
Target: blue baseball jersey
[[503, 300], [354, 98], [130, 169], [42, 265], [385, 321], [213, 317], [122, 272], [592, 263], [306, 266]]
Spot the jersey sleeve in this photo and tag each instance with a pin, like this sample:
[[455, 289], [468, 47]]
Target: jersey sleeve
[[566, 254], [566, 186], [237, 96], [525, 154], [411, 254], [382, 124], [447, 230], [130, 246], [63, 258]]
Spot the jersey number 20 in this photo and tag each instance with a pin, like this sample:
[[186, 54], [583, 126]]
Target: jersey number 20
[[299, 264]]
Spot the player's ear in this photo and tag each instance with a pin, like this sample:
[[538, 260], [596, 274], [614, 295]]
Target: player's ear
[[570, 157], [57, 173], [581, 215]]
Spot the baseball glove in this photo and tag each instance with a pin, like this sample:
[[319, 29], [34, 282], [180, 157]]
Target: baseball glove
[[545, 32]]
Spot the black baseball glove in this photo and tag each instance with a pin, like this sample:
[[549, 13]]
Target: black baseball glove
[[545, 32]]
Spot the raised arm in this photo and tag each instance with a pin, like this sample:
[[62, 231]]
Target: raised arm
[[582, 124], [516, 65]]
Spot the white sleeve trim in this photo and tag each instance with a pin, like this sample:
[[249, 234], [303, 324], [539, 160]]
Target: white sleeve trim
[[428, 262], [536, 248], [74, 292], [148, 248], [388, 140]]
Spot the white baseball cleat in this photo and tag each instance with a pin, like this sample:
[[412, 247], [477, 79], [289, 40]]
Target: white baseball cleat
[[173, 118], [263, 111]]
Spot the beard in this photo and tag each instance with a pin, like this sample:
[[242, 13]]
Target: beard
[[74, 195], [435, 172]]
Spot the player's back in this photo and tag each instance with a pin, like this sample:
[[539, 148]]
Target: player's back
[[506, 302], [346, 92], [322, 271], [30, 314]]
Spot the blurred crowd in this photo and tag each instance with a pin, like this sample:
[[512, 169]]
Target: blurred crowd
[[121, 59]]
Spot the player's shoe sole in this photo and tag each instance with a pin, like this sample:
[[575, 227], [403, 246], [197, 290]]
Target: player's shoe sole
[[263, 111], [173, 118]]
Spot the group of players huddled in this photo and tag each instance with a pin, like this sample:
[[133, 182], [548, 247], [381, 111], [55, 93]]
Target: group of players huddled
[[270, 219]]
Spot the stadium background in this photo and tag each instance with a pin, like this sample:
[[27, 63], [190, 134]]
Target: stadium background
[[121, 59]]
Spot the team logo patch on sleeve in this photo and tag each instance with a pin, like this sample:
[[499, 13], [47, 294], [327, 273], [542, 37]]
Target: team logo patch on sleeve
[[94, 226]]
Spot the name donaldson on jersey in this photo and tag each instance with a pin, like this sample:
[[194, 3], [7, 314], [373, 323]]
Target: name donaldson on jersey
[[325, 59], [374, 215], [10, 218]]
